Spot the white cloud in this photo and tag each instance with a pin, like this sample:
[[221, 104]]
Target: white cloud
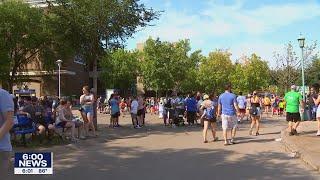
[[263, 49], [229, 22]]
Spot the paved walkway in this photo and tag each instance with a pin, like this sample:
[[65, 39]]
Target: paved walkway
[[158, 152], [306, 145]]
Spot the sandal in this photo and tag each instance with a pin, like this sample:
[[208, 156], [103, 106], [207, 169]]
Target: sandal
[[257, 134]]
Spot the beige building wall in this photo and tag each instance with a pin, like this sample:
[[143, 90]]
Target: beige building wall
[[140, 86]]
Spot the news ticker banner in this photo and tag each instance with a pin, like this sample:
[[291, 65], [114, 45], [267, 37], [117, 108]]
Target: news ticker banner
[[33, 163]]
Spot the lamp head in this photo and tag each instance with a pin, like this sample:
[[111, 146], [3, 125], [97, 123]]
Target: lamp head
[[59, 62], [301, 41]]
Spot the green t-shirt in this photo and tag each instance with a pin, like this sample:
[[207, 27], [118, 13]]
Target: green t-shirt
[[293, 100]]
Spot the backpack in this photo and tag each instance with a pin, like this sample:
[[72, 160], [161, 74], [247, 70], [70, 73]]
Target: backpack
[[210, 113], [254, 110]]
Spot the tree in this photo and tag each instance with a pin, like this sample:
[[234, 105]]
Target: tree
[[120, 69], [190, 82], [215, 71], [288, 68], [312, 72], [256, 73], [27, 35], [93, 26], [165, 65]]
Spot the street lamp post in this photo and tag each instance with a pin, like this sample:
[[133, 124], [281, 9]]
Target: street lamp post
[[59, 62], [301, 41]]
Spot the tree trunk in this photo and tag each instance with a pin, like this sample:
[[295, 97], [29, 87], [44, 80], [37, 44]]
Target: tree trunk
[[95, 87]]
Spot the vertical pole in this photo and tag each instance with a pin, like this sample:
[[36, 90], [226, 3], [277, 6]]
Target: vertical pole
[[59, 65], [303, 82]]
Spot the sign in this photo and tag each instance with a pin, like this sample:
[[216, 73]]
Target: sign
[[33, 163]]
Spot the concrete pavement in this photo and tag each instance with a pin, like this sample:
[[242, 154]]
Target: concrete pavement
[[157, 152], [306, 144]]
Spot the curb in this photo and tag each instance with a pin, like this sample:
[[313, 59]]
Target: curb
[[290, 146]]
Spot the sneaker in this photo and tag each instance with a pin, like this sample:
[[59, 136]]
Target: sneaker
[[318, 133], [138, 127], [82, 137], [232, 141]]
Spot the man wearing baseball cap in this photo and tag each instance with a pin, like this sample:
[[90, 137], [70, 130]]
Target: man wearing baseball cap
[[293, 100]]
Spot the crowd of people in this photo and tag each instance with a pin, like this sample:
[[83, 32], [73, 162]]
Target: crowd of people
[[49, 114]]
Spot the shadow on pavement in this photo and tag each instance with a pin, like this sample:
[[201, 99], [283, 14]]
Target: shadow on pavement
[[135, 163]]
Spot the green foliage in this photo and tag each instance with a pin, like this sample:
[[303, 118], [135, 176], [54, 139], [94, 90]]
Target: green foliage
[[120, 69], [167, 66], [215, 71], [26, 37], [92, 26], [312, 72]]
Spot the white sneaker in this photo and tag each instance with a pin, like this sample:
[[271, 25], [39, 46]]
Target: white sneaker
[[318, 133], [138, 127]]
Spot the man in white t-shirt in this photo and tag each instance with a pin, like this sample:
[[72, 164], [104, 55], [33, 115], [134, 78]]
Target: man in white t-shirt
[[134, 112], [241, 100]]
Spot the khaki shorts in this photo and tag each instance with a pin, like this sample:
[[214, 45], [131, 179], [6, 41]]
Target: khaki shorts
[[229, 122], [4, 163]]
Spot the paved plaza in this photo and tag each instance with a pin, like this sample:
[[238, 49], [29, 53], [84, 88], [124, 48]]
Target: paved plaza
[[158, 153]]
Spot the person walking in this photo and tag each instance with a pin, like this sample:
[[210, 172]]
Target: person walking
[[293, 100], [267, 104], [317, 103], [6, 123], [191, 105], [255, 113], [209, 117], [87, 101], [134, 112], [228, 109], [241, 100], [141, 110], [115, 110]]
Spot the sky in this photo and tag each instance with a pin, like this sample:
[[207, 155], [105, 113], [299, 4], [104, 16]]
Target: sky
[[241, 26]]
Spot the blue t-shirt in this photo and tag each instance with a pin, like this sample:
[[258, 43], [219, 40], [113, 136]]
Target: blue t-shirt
[[227, 100], [191, 104], [6, 105], [114, 106]]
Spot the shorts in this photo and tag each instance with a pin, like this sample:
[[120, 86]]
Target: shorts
[[293, 117], [140, 112], [115, 115], [242, 111], [191, 116], [133, 116], [210, 120], [229, 122], [88, 110]]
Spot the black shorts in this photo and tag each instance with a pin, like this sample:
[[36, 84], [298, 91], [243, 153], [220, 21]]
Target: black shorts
[[210, 120], [115, 115], [140, 112], [191, 116], [293, 117]]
